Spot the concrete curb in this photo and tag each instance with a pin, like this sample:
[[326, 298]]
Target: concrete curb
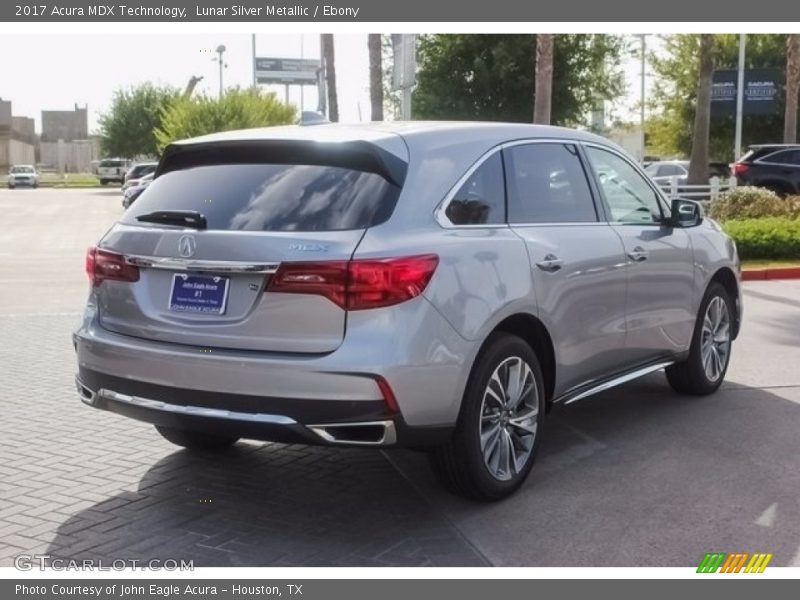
[[771, 273]]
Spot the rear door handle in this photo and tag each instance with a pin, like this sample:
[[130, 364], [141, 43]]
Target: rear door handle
[[638, 254], [550, 263]]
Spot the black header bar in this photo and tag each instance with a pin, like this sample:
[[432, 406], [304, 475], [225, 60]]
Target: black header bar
[[419, 11]]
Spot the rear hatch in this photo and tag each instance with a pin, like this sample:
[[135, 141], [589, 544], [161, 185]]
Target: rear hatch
[[252, 206]]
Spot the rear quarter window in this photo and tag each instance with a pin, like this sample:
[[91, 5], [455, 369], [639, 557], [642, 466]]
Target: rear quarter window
[[272, 197]]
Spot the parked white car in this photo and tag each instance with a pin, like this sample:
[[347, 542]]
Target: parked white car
[[19, 175], [112, 170]]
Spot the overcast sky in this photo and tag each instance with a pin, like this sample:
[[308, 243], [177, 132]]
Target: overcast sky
[[53, 72]]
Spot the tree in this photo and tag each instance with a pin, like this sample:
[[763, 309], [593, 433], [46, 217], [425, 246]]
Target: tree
[[374, 44], [698, 163], [543, 89], [675, 67], [490, 77], [127, 129], [237, 109], [792, 88], [328, 59]]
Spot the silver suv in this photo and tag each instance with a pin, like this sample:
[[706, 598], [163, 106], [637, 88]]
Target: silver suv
[[436, 286]]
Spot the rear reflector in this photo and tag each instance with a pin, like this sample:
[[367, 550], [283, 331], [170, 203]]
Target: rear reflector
[[388, 395], [102, 265], [358, 284]]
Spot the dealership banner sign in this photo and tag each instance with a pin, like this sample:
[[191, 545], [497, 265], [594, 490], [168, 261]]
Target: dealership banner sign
[[761, 92]]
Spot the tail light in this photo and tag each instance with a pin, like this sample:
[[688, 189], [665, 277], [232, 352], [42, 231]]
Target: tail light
[[739, 168], [102, 265], [358, 284]]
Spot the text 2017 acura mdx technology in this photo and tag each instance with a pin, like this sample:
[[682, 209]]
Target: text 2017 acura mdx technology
[[428, 285]]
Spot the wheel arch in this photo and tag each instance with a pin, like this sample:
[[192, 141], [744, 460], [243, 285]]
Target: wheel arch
[[727, 279], [535, 334]]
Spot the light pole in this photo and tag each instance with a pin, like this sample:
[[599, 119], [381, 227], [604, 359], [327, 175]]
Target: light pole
[[737, 142], [642, 98], [220, 52]]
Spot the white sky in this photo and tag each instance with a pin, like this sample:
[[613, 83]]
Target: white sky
[[54, 71]]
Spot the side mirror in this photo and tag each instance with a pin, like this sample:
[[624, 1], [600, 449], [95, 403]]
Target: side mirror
[[686, 213]]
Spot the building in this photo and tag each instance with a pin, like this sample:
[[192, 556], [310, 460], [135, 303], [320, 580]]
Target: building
[[67, 125], [629, 136], [17, 138], [65, 144]]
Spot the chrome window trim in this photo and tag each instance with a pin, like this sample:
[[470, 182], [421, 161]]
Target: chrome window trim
[[665, 205], [439, 212], [216, 266]]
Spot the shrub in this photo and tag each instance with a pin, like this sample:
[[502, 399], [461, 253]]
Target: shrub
[[769, 237], [748, 202], [237, 109]]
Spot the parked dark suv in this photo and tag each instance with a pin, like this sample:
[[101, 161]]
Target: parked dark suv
[[773, 166]]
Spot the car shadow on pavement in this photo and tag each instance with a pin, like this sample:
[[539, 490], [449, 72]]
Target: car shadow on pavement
[[640, 476], [268, 505], [636, 476]]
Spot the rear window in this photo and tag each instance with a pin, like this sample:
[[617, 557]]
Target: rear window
[[272, 197], [111, 163]]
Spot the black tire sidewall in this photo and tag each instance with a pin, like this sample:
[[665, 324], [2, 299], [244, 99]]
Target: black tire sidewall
[[497, 350]]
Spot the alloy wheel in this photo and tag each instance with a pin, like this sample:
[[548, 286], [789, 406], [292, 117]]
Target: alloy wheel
[[715, 341], [509, 413]]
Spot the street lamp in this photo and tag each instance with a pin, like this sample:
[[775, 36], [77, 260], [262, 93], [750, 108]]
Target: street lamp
[[642, 92], [220, 51]]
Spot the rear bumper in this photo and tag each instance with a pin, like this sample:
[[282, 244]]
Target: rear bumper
[[331, 398], [260, 418]]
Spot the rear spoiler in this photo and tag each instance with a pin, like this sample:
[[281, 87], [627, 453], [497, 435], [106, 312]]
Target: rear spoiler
[[358, 155]]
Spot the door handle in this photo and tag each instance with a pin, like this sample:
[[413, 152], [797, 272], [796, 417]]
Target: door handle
[[550, 263], [638, 254]]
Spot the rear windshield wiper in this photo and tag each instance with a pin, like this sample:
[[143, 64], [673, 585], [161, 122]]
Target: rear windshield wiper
[[182, 218]]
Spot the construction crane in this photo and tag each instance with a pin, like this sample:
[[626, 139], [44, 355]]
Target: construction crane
[[193, 81]]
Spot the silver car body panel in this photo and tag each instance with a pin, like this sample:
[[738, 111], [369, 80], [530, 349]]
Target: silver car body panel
[[606, 313]]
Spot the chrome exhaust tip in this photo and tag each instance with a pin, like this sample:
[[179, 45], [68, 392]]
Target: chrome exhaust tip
[[370, 433], [86, 395]]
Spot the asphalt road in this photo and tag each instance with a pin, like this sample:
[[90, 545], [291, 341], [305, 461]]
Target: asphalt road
[[634, 476]]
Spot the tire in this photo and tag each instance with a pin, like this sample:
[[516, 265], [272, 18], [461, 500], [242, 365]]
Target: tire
[[692, 376], [11, 187], [462, 465], [196, 440], [104, 182]]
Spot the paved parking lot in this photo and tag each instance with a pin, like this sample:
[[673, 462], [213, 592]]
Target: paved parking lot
[[635, 476]]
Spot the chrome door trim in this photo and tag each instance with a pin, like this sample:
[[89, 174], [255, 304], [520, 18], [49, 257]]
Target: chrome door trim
[[571, 397], [439, 212], [186, 264]]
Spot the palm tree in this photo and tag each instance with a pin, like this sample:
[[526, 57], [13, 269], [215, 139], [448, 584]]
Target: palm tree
[[330, 76], [698, 161], [375, 76], [792, 88], [543, 86]]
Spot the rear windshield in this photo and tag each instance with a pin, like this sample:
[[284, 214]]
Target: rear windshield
[[272, 197], [111, 163]]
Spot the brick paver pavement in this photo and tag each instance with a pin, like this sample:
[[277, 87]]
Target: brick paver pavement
[[80, 483]]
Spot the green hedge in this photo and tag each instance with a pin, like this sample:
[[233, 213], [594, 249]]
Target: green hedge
[[748, 202], [770, 237]]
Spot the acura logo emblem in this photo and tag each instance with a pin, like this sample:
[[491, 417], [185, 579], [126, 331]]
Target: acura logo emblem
[[187, 246]]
